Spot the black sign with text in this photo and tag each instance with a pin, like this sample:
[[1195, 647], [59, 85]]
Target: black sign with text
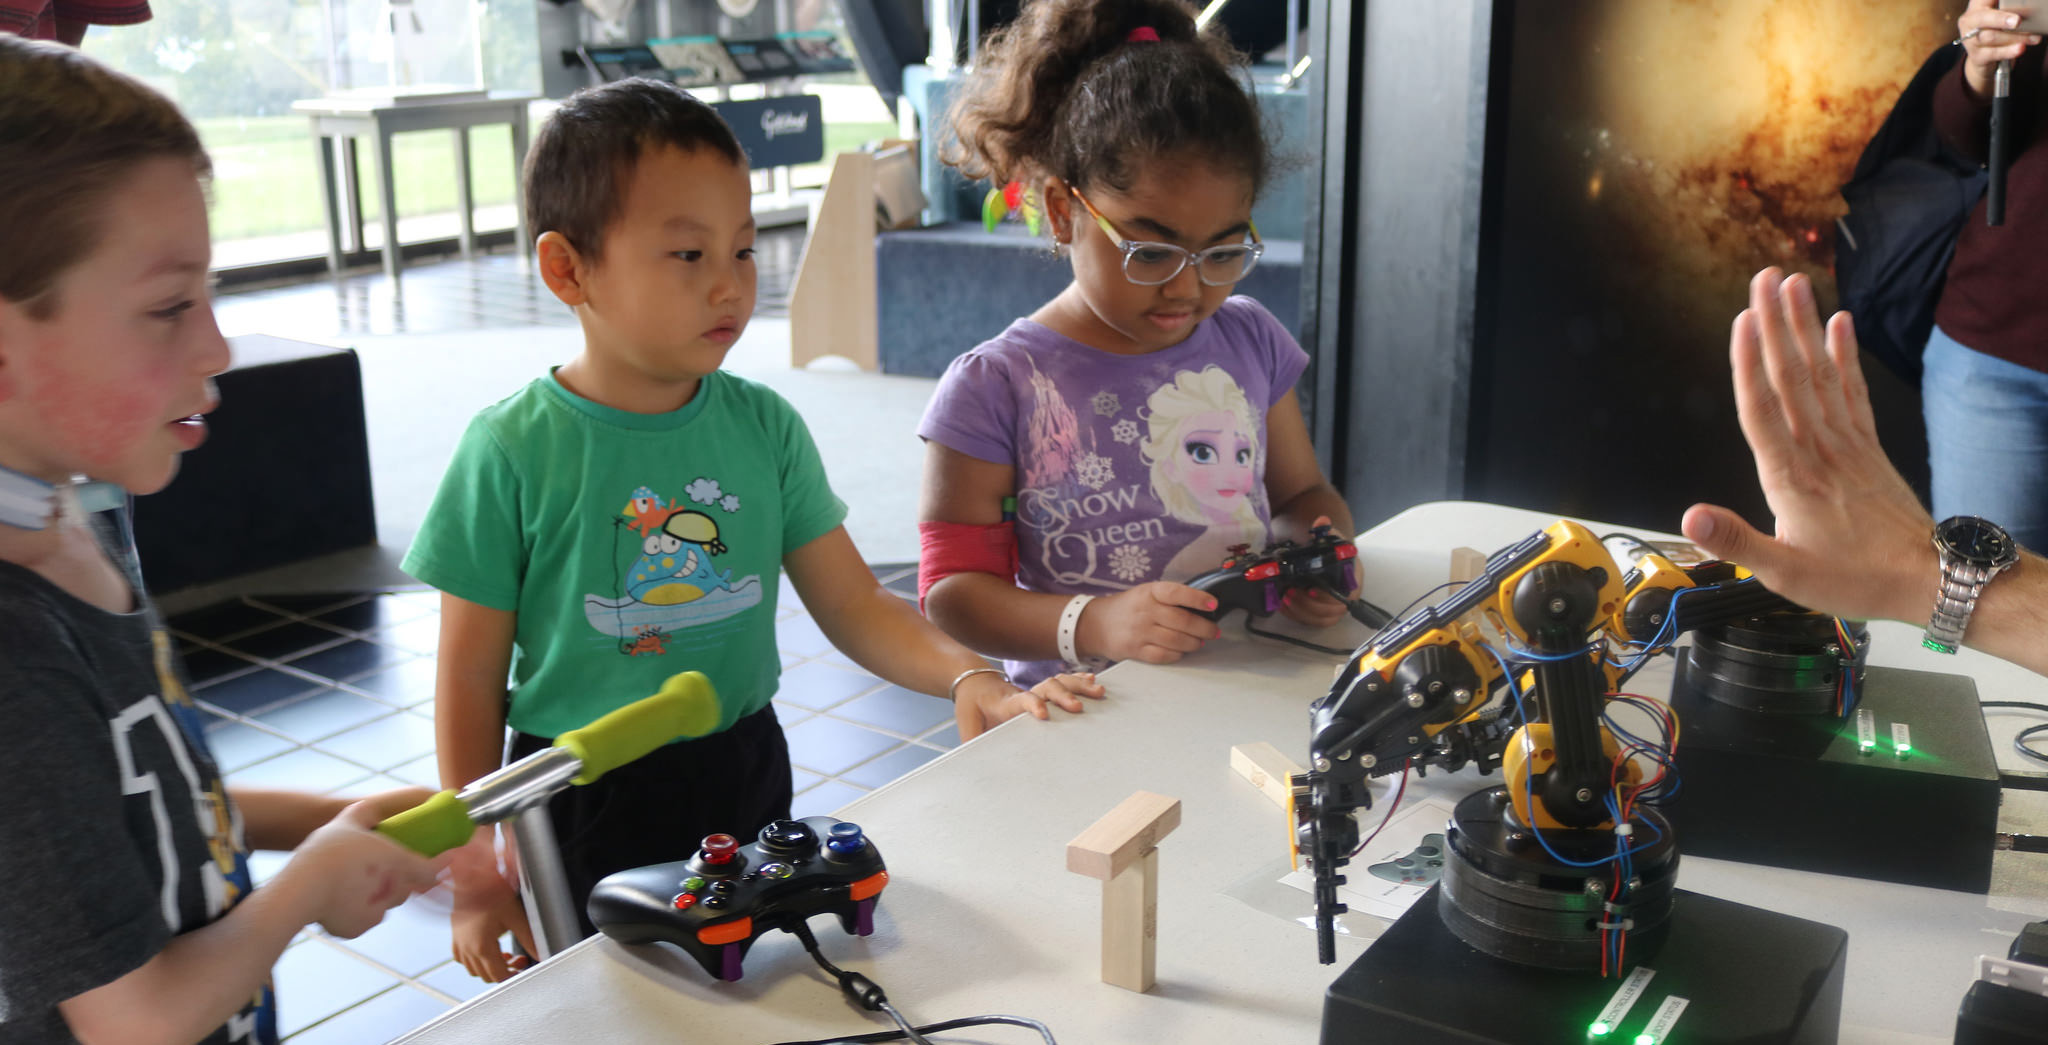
[[778, 132]]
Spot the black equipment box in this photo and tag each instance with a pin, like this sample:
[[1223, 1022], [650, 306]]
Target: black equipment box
[[1805, 792], [1747, 975]]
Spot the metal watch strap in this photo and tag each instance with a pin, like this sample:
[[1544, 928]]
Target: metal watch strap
[[1961, 584]]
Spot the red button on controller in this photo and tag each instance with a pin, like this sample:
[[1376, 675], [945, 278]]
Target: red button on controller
[[719, 849]]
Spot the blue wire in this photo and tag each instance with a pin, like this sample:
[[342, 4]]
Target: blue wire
[[1529, 788], [1658, 753], [1529, 654]]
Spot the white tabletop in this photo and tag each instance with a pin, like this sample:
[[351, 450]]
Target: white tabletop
[[981, 916]]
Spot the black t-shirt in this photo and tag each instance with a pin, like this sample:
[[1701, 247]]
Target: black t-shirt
[[116, 834]]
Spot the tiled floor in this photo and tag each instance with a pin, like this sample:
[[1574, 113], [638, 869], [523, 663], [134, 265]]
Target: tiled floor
[[335, 694]]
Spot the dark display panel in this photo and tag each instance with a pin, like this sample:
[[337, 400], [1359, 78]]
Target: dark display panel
[[1644, 160]]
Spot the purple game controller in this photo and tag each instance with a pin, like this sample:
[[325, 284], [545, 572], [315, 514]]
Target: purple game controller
[[1258, 584], [716, 903]]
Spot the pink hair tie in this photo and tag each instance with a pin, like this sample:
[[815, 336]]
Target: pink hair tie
[[1143, 34]]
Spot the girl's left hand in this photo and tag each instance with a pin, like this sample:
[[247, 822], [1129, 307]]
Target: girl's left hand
[[1317, 609], [997, 701]]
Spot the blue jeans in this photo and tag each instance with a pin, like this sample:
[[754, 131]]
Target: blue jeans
[[1987, 438]]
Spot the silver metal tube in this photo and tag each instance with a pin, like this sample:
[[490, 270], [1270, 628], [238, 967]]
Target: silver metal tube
[[520, 786], [1293, 36], [543, 885]]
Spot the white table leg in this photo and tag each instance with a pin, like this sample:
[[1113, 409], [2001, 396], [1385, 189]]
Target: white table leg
[[465, 201], [387, 201]]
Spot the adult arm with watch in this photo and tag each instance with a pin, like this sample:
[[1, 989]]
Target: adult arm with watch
[[1852, 538]]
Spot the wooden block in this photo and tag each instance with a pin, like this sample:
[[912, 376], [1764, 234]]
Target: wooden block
[[1130, 924], [1122, 835], [1266, 768], [1467, 563]]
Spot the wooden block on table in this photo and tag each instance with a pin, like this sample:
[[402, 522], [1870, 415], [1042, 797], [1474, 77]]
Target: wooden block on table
[[1122, 835], [1122, 849], [1130, 925], [1266, 768], [1467, 563]]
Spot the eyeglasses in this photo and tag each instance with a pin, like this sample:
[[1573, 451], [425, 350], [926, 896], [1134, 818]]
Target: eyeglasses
[[1149, 264]]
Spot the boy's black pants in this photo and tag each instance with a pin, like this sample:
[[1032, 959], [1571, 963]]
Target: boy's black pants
[[657, 809]]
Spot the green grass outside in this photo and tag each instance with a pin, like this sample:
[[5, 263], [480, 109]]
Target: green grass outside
[[266, 181]]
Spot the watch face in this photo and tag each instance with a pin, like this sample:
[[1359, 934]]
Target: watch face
[[1975, 541]]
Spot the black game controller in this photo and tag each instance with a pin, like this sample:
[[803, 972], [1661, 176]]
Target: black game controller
[[1258, 583], [716, 903]]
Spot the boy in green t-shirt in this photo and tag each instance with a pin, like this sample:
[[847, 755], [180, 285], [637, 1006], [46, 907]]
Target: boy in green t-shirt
[[625, 517]]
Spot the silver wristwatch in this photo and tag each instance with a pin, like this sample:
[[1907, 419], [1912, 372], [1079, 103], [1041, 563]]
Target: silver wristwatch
[[1972, 551]]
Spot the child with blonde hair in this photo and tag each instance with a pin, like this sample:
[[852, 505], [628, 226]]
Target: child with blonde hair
[[126, 909]]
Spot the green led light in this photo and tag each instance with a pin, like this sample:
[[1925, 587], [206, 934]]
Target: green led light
[[1646, 1039], [1868, 744], [1599, 1029], [1904, 750]]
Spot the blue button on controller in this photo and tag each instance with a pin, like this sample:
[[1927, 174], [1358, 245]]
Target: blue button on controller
[[846, 839]]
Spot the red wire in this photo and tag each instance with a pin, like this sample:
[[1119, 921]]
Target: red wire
[[1396, 804]]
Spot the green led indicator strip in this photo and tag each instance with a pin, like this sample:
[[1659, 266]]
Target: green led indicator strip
[[1617, 1007], [1661, 1023]]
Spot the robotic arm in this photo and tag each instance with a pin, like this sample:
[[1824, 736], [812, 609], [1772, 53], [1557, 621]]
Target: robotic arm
[[1425, 690]]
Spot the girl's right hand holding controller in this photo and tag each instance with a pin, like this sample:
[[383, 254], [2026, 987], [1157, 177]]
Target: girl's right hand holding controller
[[1154, 623]]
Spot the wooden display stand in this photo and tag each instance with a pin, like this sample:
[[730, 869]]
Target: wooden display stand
[[832, 306], [832, 302], [1122, 849]]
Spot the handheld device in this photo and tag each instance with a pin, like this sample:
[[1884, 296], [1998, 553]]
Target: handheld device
[[718, 902], [1258, 583]]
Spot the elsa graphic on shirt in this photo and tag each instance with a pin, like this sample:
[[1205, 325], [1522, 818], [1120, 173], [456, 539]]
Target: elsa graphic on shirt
[[1202, 444], [672, 581]]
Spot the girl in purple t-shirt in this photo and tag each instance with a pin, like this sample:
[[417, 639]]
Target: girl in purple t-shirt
[[1143, 422]]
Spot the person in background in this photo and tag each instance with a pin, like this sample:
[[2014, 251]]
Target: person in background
[[1984, 389]]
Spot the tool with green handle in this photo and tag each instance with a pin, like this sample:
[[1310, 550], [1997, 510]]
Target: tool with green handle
[[685, 706]]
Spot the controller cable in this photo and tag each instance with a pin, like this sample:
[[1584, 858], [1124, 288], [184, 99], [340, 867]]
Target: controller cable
[[2017, 781], [1292, 641], [1365, 613], [867, 994]]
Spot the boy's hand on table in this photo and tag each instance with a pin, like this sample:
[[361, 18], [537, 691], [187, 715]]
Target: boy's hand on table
[[989, 700], [1154, 623], [486, 908], [483, 915]]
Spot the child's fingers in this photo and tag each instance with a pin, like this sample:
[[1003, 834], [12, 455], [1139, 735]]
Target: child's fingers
[[1058, 690], [1083, 682], [521, 930], [1154, 653], [1170, 594]]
